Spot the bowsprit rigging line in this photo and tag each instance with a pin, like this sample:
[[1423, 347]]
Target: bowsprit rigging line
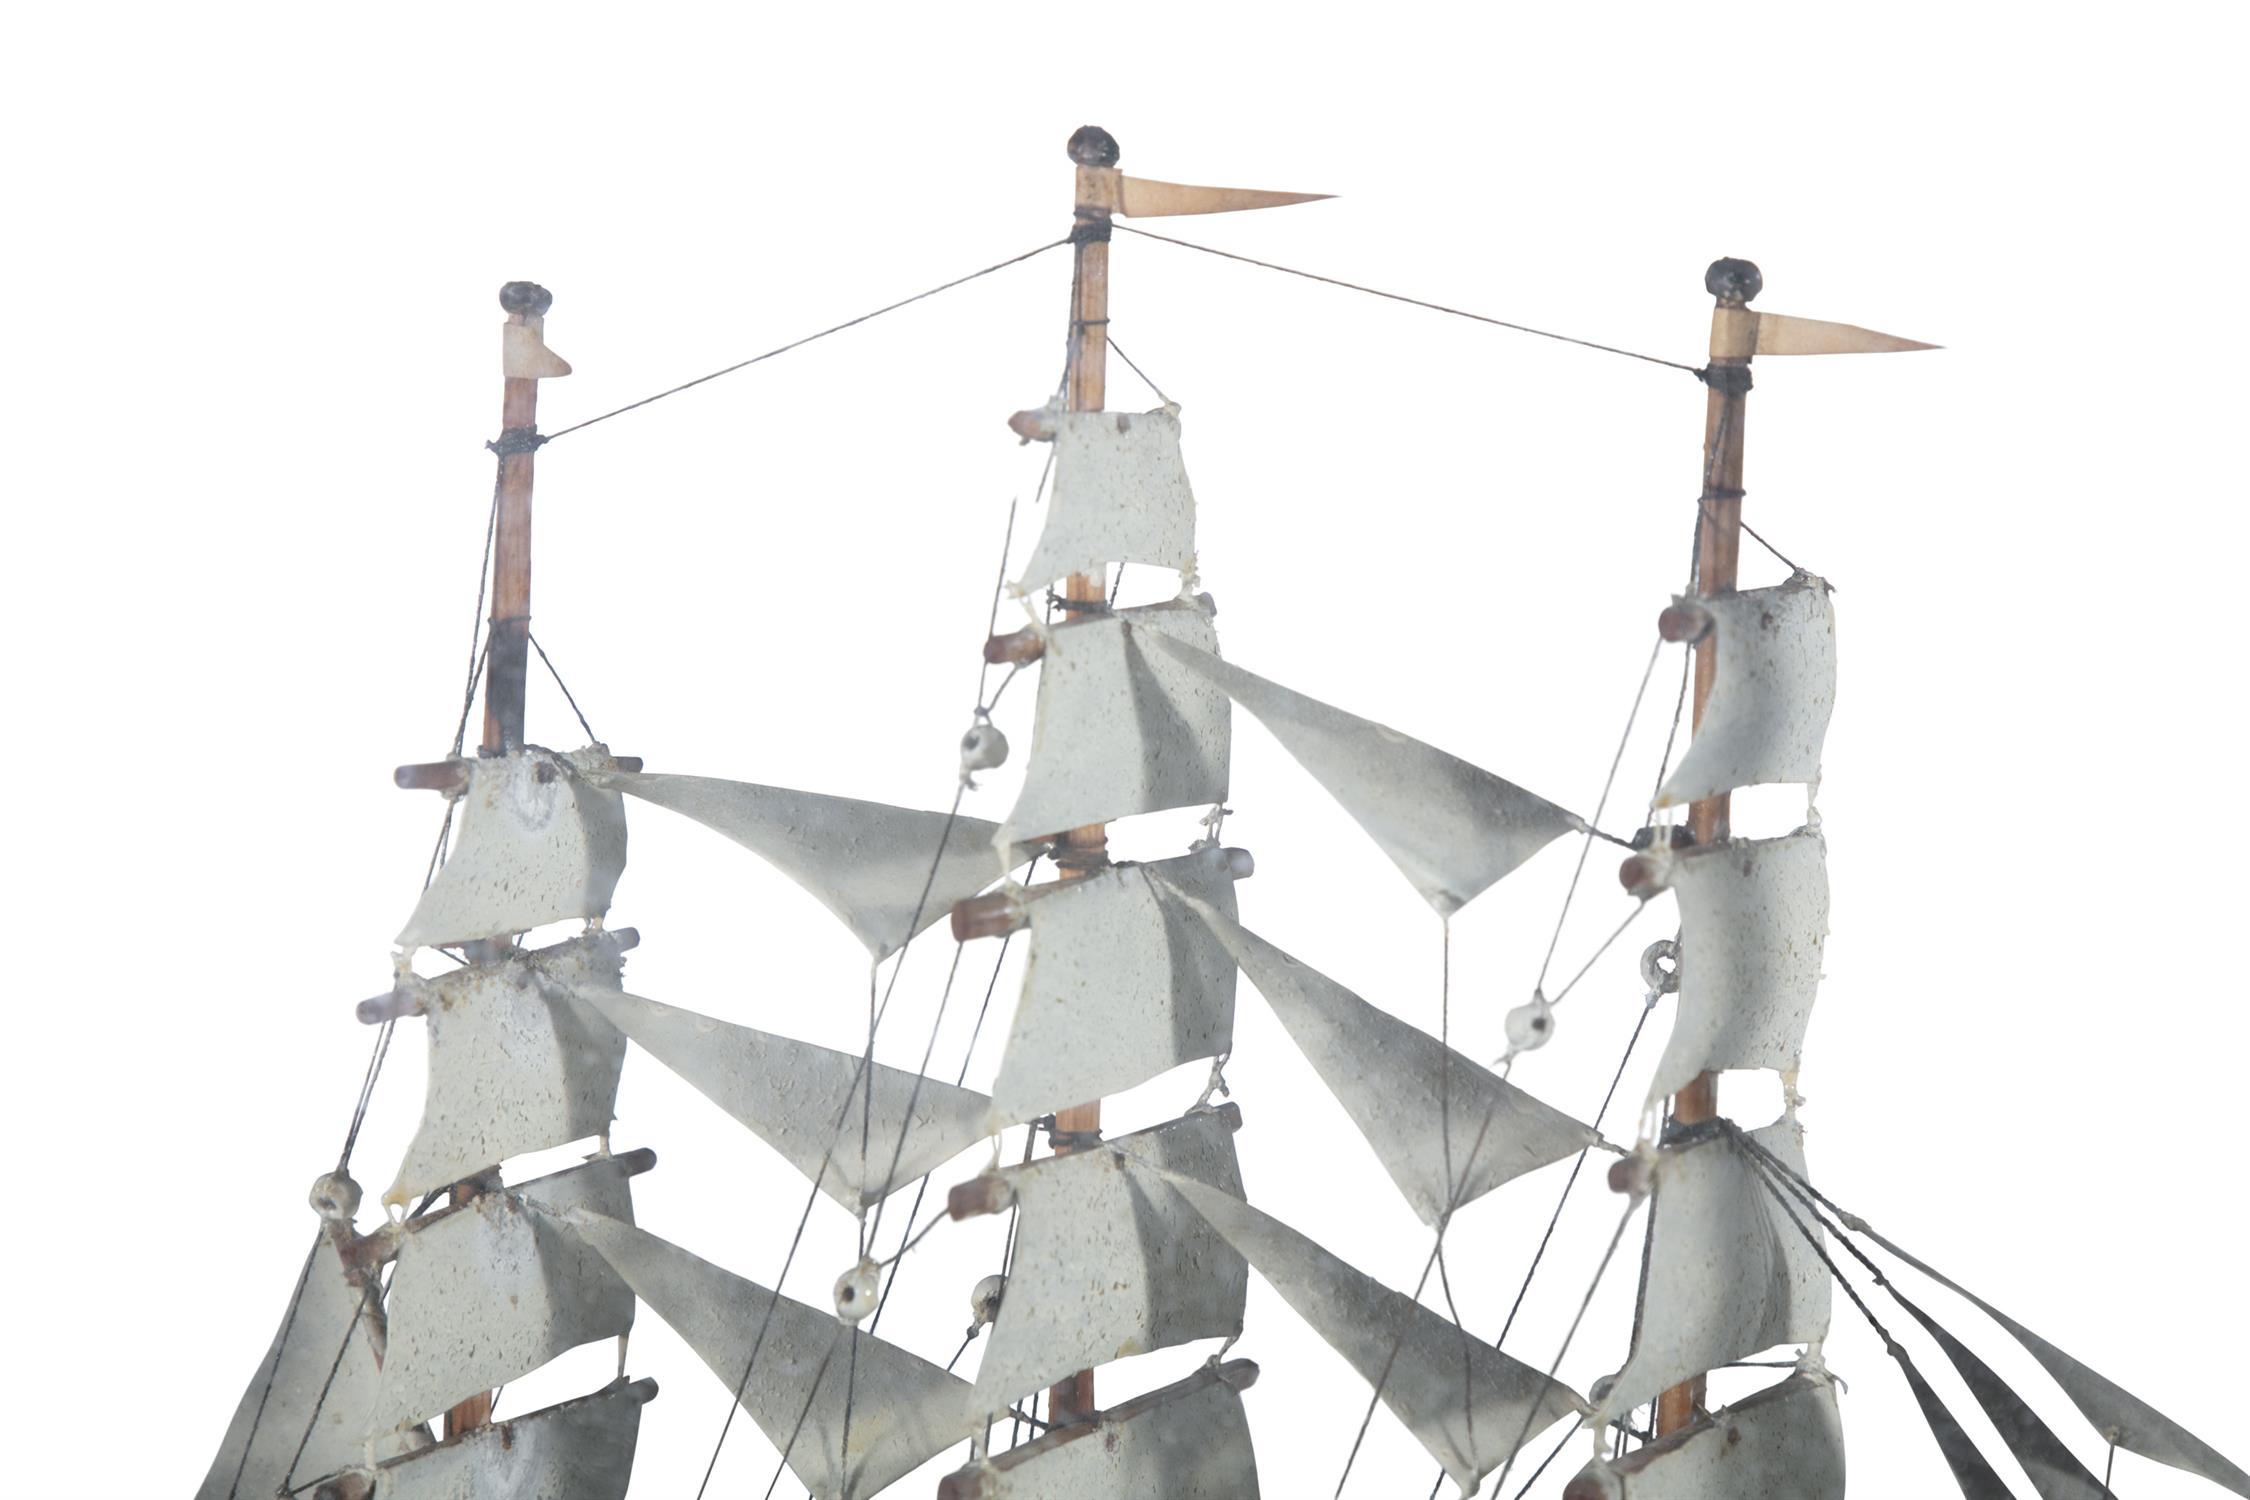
[[1353, 286], [808, 338]]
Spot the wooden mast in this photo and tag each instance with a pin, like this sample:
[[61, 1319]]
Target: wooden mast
[[1085, 850], [1718, 549], [509, 632]]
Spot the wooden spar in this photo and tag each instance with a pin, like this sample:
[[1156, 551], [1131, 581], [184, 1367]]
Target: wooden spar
[[1085, 850], [1718, 549], [524, 359]]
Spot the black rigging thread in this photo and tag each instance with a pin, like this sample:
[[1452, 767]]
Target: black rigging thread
[[1353, 286], [809, 338], [280, 1344], [591, 737], [1137, 370]]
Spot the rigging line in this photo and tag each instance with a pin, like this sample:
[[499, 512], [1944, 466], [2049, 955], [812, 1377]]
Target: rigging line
[[476, 628], [965, 1343], [591, 737], [1137, 370], [808, 338], [437, 850], [811, 1390], [1000, 586], [312, 1419], [1552, 1454], [851, 1393], [366, 1093], [1353, 286], [1615, 933], [1531, 1412], [1555, 1218], [279, 1344], [1753, 532], [1586, 846], [1671, 736], [914, 1093], [2108, 1469]]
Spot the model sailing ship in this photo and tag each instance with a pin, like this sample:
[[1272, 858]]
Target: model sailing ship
[[1141, 1241]]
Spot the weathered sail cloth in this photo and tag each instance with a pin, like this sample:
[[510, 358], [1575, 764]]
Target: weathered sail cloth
[[1407, 1093], [516, 1064], [535, 841], [1753, 917], [1775, 688], [1109, 1262], [494, 1289], [903, 1409], [1121, 495], [337, 1326], [1185, 1441], [804, 1101], [2137, 1427], [579, 1450], [1124, 981], [1784, 1443], [867, 862], [1122, 727], [1450, 827], [1467, 1403], [1711, 1209]]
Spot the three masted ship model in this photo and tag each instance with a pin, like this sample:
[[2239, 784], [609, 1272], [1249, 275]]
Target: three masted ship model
[[378, 1383]]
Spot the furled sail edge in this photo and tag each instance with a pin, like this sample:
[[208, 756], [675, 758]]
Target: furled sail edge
[[1109, 1263], [2116, 1413], [575, 1450], [777, 1352], [1413, 1355], [1386, 1074], [1185, 1441], [795, 1096], [869, 863], [1452, 828], [1784, 1440]]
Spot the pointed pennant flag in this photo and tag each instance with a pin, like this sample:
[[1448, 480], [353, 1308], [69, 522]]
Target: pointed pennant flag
[[1463, 1400], [867, 862], [1387, 1075], [792, 1095], [809, 1367], [1737, 331], [1786, 1440], [1144, 198], [1450, 827]]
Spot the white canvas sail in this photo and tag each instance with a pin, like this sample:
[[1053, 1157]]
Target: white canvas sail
[[1416, 1101], [495, 1288], [1775, 688], [1753, 920], [516, 1063], [792, 1095], [1123, 982], [535, 841], [1451, 828], [1108, 1263], [579, 1450], [1122, 728], [1467, 1403], [1120, 495], [904, 1409], [867, 862], [1186, 1441], [1710, 1208], [331, 1341], [1784, 1443]]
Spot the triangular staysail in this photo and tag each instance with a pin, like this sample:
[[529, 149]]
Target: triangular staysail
[[1405, 1091], [1753, 920], [867, 862], [1770, 702], [1108, 1262], [1120, 495], [1467, 1403], [1450, 827], [904, 1410], [538, 840], [495, 1288], [1711, 1208], [1121, 728], [1784, 1443], [1123, 983], [792, 1095], [1186, 1441], [516, 1064]]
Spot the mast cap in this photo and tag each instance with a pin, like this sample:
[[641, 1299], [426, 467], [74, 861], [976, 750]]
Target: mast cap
[[1092, 146], [1733, 281], [528, 298]]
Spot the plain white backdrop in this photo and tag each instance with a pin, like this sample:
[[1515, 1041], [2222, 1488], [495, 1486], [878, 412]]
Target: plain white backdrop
[[250, 361]]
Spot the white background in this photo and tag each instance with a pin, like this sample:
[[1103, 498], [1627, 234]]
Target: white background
[[250, 363]]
